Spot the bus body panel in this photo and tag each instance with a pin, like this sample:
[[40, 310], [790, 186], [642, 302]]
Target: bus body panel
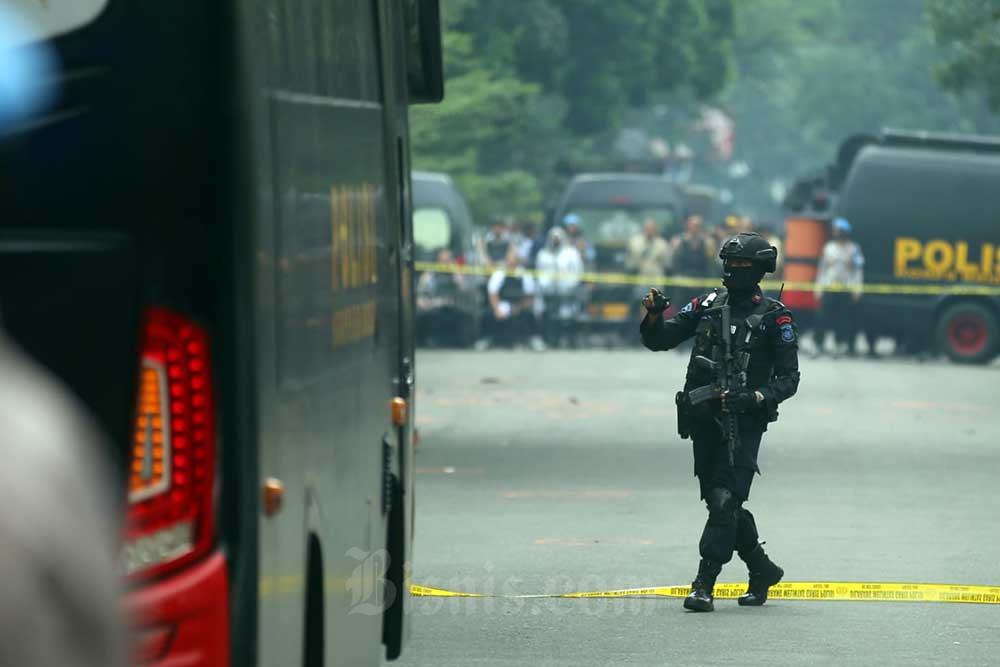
[[329, 302]]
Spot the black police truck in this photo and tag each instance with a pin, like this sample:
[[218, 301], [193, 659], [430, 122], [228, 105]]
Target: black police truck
[[924, 211]]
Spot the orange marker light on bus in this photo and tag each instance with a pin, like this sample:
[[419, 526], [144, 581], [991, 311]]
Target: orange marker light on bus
[[400, 410], [274, 496]]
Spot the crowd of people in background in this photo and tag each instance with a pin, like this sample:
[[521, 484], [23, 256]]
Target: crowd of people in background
[[534, 290]]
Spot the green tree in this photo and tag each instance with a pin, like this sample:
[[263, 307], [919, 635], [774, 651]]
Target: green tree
[[808, 75], [970, 31], [536, 84], [483, 115]]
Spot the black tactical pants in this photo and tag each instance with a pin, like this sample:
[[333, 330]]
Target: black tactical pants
[[730, 527], [513, 330]]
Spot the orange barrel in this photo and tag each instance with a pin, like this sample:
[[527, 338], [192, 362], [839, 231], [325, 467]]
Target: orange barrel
[[804, 240]]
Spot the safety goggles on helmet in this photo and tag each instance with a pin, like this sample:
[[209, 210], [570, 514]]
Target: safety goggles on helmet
[[750, 246]]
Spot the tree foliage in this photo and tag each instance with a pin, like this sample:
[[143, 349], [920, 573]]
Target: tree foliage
[[810, 74], [970, 31], [540, 89], [535, 83]]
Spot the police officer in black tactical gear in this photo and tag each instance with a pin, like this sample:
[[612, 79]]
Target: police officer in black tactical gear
[[765, 353]]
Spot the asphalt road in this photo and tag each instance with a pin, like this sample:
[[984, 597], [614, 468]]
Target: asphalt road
[[562, 471]]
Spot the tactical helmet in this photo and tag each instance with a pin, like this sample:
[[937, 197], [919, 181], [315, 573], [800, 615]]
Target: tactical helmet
[[753, 247]]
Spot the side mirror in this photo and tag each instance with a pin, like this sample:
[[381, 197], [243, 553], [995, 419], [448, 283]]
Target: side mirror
[[424, 62]]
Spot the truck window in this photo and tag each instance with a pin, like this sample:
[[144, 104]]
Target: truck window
[[618, 224], [431, 229]]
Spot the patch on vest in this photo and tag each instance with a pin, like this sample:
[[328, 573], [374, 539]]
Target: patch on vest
[[787, 334]]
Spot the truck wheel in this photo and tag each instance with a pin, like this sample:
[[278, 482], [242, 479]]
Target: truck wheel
[[968, 333]]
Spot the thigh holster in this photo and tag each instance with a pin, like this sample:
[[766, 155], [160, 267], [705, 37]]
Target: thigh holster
[[683, 414]]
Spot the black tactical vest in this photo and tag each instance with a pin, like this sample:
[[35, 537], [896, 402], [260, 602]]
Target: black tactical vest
[[512, 290], [747, 338]]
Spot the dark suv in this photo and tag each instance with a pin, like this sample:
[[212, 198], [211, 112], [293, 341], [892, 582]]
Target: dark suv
[[449, 307], [611, 209]]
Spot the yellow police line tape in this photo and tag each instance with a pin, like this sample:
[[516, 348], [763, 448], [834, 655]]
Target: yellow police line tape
[[674, 281], [793, 590]]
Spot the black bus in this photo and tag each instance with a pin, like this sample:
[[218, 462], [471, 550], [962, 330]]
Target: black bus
[[206, 234]]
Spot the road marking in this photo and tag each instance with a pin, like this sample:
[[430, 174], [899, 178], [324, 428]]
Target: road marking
[[448, 470], [935, 405], [793, 590], [554, 495], [583, 542]]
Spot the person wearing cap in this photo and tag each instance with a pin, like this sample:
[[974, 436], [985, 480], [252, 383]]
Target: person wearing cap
[[839, 283], [764, 343], [574, 233]]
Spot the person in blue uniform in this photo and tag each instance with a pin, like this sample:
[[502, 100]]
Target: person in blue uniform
[[764, 341]]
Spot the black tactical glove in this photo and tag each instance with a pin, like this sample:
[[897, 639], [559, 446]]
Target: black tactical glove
[[655, 302], [741, 400]]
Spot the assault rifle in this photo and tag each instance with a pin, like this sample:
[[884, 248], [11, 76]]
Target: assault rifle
[[730, 375]]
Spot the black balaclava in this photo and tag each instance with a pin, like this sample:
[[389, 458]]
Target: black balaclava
[[742, 281]]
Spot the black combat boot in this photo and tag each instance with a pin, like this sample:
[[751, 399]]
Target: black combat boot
[[763, 575], [700, 598]]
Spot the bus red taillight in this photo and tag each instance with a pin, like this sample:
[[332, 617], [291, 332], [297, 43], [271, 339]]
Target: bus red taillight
[[172, 470]]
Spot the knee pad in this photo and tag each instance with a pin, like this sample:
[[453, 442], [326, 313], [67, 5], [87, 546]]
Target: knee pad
[[721, 503]]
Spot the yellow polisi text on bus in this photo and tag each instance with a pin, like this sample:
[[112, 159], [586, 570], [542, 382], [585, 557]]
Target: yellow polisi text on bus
[[352, 216], [938, 259], [353, 266]]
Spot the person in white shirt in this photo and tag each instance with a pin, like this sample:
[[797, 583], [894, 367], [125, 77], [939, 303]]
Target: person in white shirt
[[842, 266], [511, 293], [559, 267]]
